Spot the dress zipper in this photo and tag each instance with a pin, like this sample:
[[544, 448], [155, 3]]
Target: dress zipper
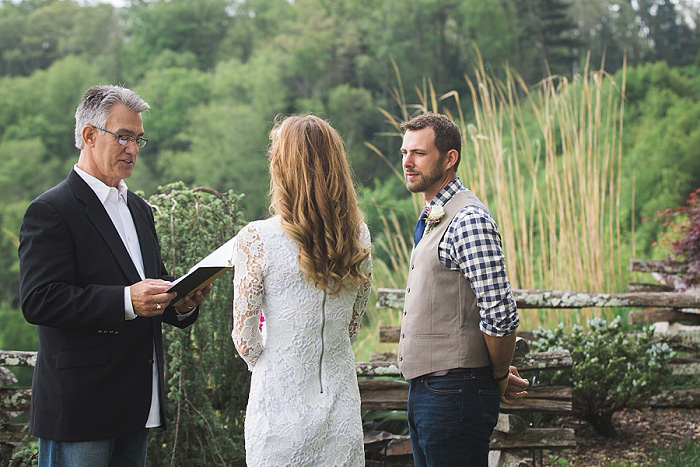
[[323, 325]]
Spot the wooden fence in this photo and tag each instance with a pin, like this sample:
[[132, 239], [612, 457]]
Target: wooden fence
[[652, 303]]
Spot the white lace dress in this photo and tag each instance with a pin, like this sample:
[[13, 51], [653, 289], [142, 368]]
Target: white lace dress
[[304, 403]]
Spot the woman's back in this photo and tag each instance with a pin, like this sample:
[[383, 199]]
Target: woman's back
[[304, 405]]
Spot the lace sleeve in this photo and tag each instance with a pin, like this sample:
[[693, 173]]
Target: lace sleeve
[[358, 308], [248, 261]]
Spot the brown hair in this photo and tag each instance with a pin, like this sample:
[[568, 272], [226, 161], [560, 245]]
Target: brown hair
[[312, 190]]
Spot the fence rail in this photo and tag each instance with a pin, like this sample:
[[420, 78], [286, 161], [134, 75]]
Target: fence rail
[[394, 298]]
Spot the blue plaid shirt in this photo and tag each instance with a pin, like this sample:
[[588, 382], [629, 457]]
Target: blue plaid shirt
[[472, 245]]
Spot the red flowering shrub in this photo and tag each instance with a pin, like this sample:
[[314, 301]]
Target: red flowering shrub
[[683, 236]]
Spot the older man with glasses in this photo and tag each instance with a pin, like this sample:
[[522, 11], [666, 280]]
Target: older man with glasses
[[92, 281]]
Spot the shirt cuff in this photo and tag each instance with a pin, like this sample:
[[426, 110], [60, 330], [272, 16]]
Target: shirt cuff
[[128, 306], [184, 316]]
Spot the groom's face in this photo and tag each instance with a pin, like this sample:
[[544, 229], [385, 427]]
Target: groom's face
[[423, 166]]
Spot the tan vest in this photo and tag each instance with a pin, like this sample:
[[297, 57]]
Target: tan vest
[[440, 323]]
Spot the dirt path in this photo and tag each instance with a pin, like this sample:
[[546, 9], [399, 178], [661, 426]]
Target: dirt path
[[640, 432]]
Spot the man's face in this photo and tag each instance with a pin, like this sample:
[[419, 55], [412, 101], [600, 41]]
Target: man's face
[[423, 168], [112, 162]]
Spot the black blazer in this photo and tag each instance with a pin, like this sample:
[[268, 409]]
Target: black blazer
[[93, 375]]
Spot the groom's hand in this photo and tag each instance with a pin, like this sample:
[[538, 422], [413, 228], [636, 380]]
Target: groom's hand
[[515, 387]]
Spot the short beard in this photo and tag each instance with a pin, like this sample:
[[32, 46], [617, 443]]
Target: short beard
[[427, 180]]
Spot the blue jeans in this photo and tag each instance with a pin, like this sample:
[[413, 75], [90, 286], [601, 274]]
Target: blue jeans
[[451, 418], [129, 451]]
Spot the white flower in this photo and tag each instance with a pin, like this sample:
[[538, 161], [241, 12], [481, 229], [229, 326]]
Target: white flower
[[435, 213]]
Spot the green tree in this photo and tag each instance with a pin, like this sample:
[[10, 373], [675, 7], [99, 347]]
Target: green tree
[[172, 93], [671, 38], [43, 105], [662, 133], [353, 113], [609, 29], [548, 25], [42, 31], [230, 154], [253, 23], [12, 25], [181, 26]]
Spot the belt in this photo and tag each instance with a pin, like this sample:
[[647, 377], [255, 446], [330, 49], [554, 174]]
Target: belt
[[480, 371]]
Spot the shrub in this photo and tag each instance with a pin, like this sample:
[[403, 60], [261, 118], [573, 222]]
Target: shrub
[[683, 238], [206, 381], [611, 369]]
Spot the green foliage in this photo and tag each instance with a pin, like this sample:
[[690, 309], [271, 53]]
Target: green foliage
[[610, 30], [28, 456], [355, 118], [172, 94], [13, 333], [42, 106], [225, 155], [688, 455], [17, 334], [195, 27], [547, 25], [34, 34], [207, 383], [671, 33], [661, 132], [611, 369]]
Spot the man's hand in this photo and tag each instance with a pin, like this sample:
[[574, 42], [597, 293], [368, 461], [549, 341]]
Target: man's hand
[[513, 387], [149, 297], [193, 301]]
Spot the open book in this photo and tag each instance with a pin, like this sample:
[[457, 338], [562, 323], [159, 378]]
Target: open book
[[204, 272]]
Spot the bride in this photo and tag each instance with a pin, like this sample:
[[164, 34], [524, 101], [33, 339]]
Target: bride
[[309, 268]]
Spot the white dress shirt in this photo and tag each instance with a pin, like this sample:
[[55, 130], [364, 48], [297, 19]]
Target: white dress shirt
[[114, 201]]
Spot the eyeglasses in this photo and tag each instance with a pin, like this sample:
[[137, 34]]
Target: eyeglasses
[[125, 139]]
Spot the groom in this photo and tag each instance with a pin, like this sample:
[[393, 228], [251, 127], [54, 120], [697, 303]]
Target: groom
[[458, 328]]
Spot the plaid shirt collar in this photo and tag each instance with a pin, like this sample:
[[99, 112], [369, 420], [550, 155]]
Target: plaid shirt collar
[[452, 188]]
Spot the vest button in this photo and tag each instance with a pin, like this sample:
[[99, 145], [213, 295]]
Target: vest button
[[403, 336], [413, 266], [400, 359], [404, 313], [408, 290]]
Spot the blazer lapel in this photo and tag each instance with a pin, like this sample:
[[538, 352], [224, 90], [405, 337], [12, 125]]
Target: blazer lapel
[[95, 212], [146, 240]]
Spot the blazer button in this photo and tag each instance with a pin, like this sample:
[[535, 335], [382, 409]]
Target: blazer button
[[400, 358], [403, 336], [150, 362], [404, 313], [413, 266], [408, 290]]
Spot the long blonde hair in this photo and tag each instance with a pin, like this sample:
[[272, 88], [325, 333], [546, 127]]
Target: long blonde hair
[[312, 190]]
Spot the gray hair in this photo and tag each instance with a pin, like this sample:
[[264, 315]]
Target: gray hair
[[96, 104]]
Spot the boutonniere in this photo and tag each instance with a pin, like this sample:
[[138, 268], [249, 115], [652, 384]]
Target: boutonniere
[[435, 213]]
